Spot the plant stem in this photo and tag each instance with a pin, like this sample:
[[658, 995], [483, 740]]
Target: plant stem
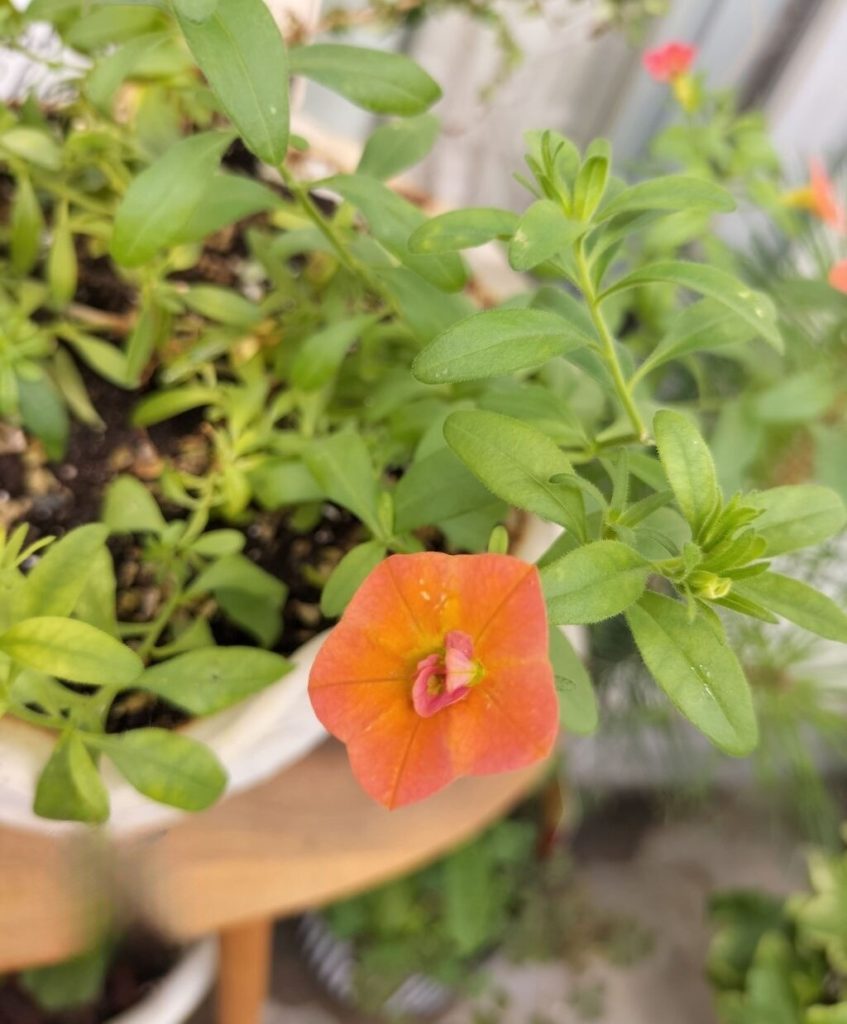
[[323, 224], [609, 353]]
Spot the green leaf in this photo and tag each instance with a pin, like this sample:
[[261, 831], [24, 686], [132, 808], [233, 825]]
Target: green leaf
[[96, 604], [43, 413], [248, 595], [129, 507], [280, 482], [102, 356], [467, 879], [32, 146], [222, 305], [322, 353], [434, 488], [392, 220], [754, 307], [217, 543], [71, 650], [463, 229], [495, 343], [196, 10], [151, 330], [594, 582], [342, 466], [425, 309], [590, 184], [60, 575], [398, 145], [688, 465], [226, 198], [69, 787], [515, 462], [241, 52], [797, 516], [696, 668], [348, 576], [161, 201], [797, 399], [670, 192], [797, 602], [62, 270], [213, 678], [26, 226], [383, 83], [703, 326], [162, 405], [542, 232], [577, 703], [166, 766], [76, 982]]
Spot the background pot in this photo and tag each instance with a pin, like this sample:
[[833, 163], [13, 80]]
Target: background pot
[[178, 994], [254, 740], [333, 962]]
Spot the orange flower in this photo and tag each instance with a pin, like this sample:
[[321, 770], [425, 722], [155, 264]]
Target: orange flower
[[838, 276], [665, 63], [438, 668], [818, 197]]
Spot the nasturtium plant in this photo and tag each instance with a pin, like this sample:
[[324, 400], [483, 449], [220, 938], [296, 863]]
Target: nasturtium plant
[[282, 359]]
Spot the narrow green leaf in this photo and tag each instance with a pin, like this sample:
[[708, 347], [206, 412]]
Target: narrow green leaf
[[796, 517], [213, 678], [754, 307], [704, 326], [96, 604], [797, 602], [69, 787], [160, 202], [196, 10], [594, 582], [342, 466], [60, 575], [26, 226], [44, 414], [398, 145], [62, 269], [590, 186], [542, 232], [222, 305], [247, 594], [217, 543], [577, 703], [670, 192], [322, 353], [495, 343], [515, 462], [381, 82], [162, 405], [797, 399], [688, 464], [33, 146], [392, 219], [463, 229], [280, 482], [71, 650], [226, 198], [166, 766], [348, 576], [242, 54], [694, 665], [129, 507], [434, 488]]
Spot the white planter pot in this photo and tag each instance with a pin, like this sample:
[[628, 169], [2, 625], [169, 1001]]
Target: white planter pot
[[178, 994], [253, 740]]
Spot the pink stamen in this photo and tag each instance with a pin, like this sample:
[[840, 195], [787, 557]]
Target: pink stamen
[[444, 679]]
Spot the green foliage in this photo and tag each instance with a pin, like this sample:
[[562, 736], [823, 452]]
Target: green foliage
[[783, 961]]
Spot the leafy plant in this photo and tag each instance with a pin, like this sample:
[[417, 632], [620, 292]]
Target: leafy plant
[[780, 960]]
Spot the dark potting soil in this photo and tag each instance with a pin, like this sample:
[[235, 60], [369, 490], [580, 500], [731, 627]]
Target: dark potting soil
[[53, 498], [137, 965]]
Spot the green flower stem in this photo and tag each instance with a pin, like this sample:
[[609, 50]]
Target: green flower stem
[[323, 224], [609, 353]]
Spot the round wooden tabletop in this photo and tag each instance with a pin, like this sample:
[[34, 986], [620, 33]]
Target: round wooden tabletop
[[305, 838]]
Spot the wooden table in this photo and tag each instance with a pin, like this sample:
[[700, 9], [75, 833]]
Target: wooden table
[[307, 837]]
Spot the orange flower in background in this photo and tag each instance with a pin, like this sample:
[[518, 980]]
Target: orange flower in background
[[819, 198], [439, 668], [838, 276], [667, 62]]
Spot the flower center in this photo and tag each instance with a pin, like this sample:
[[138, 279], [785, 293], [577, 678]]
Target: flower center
[[445, 677]]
